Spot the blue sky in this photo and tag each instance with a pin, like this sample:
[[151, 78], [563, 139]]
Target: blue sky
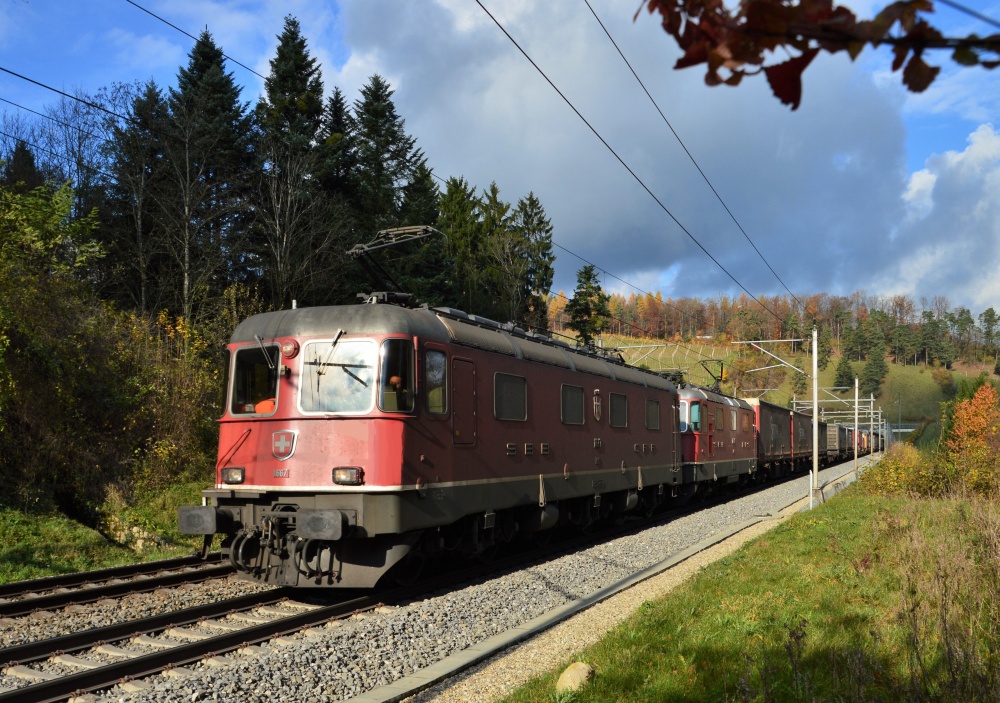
[[865, 187]]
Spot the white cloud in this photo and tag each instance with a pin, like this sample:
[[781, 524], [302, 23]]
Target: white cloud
[[953, 247]]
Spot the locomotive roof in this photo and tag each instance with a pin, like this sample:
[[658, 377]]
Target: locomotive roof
[[438, 324], [689, 391], [353, 319]]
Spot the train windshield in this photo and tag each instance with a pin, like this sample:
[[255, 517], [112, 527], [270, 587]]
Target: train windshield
[[338, 376], [255, 380]]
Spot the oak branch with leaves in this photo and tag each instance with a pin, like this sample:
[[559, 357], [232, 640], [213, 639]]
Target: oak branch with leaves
[[737, 42]]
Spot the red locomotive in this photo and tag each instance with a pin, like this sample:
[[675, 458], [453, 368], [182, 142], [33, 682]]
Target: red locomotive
[[357, 436]]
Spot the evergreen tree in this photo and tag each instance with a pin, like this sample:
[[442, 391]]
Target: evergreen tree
[[588, 309], [387, 158], [874, 370], [136, 270], [426, 271], [299, 232], [534, 230], [291, 110], [19, 172], [337, 148], [207, 150], [459, 221], [825, 348], [844, 376], [988, 322]]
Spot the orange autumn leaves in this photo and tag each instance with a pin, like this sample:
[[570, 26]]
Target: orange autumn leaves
[[972, 450]]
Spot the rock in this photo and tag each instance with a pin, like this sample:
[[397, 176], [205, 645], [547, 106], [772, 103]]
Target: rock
[[575, 677]]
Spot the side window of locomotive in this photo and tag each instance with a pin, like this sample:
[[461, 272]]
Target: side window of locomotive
[[695, 417], [338, 376], [732, 420], [720, 420], [435, 382], [255, 380], [682, 416], [572, 405], [619, 410], [396, 374], [510, 397], [652, 414], [746, 422]]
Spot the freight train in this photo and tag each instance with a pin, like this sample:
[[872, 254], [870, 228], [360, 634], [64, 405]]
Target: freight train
[[360, 441]]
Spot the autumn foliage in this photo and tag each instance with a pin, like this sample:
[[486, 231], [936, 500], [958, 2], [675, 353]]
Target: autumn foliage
[[972, 450], [739, 41]]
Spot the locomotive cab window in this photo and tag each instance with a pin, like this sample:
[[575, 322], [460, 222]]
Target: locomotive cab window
[[396, 374], [652, 414], [435, 382], [338, 376], [619, 410], [690, 418], [572, 405], [510, 397], [255, 380]]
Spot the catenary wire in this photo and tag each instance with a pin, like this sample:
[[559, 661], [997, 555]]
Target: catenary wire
[[229, 58], [628, 168], [690, 155]]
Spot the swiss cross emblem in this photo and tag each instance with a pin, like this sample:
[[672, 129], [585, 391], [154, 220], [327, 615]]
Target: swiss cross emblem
[[282, 444]]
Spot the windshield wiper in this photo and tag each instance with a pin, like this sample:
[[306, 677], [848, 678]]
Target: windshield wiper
[[267, 356]]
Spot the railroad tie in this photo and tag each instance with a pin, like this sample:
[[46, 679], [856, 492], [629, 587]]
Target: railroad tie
[[79, 662]]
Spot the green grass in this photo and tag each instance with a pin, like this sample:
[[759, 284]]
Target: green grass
[[33, 546], [816, 609]]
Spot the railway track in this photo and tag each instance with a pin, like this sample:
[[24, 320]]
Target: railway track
[[64, 667], [99, 659], [25, 597]]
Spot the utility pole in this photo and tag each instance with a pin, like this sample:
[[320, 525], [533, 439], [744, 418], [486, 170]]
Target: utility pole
[[814, 496], [856, 428]]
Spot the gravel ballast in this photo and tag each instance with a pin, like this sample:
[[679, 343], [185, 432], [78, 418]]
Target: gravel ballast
[[369, 651]]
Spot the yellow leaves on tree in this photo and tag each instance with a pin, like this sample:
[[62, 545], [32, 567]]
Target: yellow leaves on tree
[[973, 448]]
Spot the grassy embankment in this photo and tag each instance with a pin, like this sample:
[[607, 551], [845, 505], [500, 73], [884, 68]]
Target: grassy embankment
[[32, 546], [863, 599]]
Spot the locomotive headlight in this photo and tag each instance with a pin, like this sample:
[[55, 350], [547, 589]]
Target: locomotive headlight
[[349, 475], [289, 348], [233, 474]]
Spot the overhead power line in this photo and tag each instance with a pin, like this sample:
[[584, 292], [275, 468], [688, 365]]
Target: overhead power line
[[188, 34], [690, 155], [628, 168]]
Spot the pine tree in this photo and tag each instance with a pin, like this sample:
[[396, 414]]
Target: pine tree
[[207, 150], [425, 269], [874, 370], [19, 173], [459, 221], [337, 148], [291, 110], [300, 234], [844, 377], [534, 229], [588, 309], [387, 158], [137, 269]]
